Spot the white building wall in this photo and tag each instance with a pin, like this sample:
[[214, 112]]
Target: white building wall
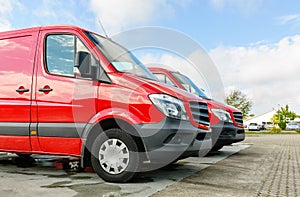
[[266, 117]]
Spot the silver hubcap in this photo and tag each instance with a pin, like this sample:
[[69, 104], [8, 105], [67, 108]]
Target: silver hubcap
[[114, 156]]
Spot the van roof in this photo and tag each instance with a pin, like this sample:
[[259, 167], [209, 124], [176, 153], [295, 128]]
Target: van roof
[[161, 69], [30, 29]]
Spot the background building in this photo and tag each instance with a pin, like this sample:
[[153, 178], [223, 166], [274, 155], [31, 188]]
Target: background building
[[264, 118]]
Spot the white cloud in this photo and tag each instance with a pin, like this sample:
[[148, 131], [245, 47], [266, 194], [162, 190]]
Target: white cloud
[[55, 11], [289, 19], [201, 74], [243, 6], [117, 15], [46, 9], [218, 4], [269, 73], [5, 25], [168, 61], [6, 8]]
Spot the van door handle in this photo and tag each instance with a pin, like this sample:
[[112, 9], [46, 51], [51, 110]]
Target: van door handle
[[45, 89], [22, 89]]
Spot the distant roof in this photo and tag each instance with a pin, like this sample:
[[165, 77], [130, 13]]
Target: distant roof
[[265, 117], [296, 120]]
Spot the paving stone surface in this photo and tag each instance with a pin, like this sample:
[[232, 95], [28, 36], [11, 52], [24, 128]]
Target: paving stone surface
[[269, 167], [41, 178], [263, 165]]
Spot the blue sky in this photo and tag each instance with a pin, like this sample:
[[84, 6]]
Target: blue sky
[[239, 23], [254, 43], [210, 22]]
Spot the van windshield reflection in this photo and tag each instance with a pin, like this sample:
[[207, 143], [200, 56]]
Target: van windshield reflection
[[189, 85], [122, 59]]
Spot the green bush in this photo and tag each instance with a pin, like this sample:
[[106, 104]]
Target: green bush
[[282, 125], [275, 130], [298, 131]]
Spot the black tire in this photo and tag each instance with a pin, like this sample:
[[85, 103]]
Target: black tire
[[170, 165], [216, 148], [129, 152], [24, 160], [23, 155]]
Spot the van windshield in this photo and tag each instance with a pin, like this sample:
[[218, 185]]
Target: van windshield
[[122, 59], [189, 85]]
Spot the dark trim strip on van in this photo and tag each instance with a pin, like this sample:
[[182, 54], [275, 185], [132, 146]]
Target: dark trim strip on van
[[70, 130], [14, 128]]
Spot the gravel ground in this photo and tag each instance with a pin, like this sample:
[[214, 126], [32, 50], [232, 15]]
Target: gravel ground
[[270, 167]]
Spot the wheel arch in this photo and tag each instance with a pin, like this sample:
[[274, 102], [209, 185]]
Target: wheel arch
[[96, 129]]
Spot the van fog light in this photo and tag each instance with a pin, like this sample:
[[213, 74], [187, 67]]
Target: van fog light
[[177, 139], [173, 139]]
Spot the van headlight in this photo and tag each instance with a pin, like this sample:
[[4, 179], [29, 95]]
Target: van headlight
[[170, 106], [222, 115]]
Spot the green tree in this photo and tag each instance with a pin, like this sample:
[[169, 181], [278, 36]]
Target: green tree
[[274, 119], [239, 100], [283, 115]]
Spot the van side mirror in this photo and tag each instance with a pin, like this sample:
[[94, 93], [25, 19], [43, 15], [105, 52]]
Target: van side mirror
[[95, 73], [86, 69], [83, 63]]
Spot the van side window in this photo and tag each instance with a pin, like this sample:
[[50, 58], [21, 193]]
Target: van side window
[[164, 78], [66, 55], [60, 54]]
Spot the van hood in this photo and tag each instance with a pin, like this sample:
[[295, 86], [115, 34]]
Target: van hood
[[217, 104], [148, 86]]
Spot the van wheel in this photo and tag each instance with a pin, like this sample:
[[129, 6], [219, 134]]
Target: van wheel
[[115, 156], [24, 160], [23, 155], [216, 148]]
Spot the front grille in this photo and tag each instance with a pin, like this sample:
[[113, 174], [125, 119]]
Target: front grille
[[200, 136], [238, 117], [200, 113], [240, 131]]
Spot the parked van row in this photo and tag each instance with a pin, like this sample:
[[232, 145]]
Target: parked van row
[[68, 91], [226, 122]]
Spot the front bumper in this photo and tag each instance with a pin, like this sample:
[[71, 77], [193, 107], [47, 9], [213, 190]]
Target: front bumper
[[226, 133], [171, 139]]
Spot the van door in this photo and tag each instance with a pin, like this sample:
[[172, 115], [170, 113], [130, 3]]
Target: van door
[[66, 95], [17, 51]]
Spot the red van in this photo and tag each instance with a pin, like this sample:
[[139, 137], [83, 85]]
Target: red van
[[69, 91], [226, 121]]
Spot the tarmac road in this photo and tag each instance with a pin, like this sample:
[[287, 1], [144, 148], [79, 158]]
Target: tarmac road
[[263, 165]]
